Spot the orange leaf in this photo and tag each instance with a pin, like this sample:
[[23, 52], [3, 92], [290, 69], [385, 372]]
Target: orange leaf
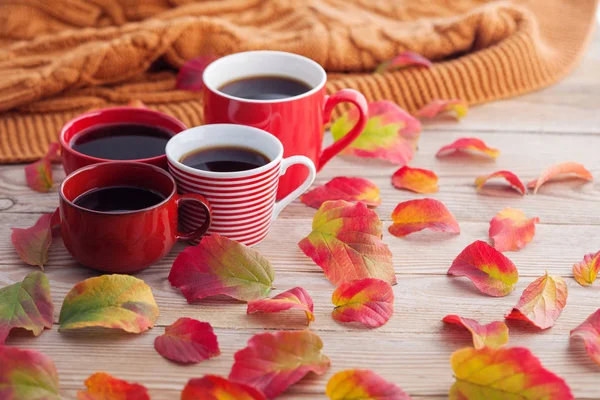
[[489, 270], [369, 301], [560, 169], [343, 188], [102, 386], [415, 179], [511, 230], [586, 271], [511, 178], [362, 384], [187, 341], [541, 302], [494, 334], [589, 331], [469, 145], [438, 106], [294, 298], [39, 173], [190, 74], [32, 243], [211, 387], [402, 60], [416, 215]]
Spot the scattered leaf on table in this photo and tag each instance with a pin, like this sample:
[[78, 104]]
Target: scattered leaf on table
[[187, 341], [102, 386], [294, 298], [27, 375], [391, 133], [109, 301], [502, 374], [415, 179], [369, 301], [32, 243], [211, 387], [589, 332], [470, 146], [190, 74], [511, 230], [560, 169], [415, 215], [402, 60], [511, 178], [437, 107], [362, 384], [346, 243], [219, 265], [272, 362], [27, 305], [541, 302], [586, 271], [343, 188], [39, 173], [494, 334], [489, 270]]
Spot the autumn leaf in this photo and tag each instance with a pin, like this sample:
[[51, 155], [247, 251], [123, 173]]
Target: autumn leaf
[[39, 173], [190, 74], [469, 146], [109, 301], [553, 171], [391, 133], [504, 373], [511, 178], [102, 386], [362, 384], [589, 332], [187, 341], [368, 301], [415, 215], [415, 179], [346, 243], [489, 270], [403, 60], [542, 302], [438, 106], [272, 362], [294, 298], [494, 334], [343, 188], [32, 243], [511, 230], [211, 387], [586, 271], [219, 265], [27, 375]]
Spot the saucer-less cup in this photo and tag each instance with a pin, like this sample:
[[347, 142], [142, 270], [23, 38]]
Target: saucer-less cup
[[124, 242], [298, 121], [243, 202]]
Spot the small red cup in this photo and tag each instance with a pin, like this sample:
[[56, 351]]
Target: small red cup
[[124, 242], [73, 160]]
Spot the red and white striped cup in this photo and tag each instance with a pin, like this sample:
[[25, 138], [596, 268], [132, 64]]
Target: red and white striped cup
[[242, 202]]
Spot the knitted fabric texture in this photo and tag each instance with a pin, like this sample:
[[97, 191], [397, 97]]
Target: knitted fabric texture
[[62, 57]]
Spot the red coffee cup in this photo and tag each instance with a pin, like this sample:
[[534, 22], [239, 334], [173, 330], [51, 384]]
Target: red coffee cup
[[298, 122], [73, 160], [127, 241]]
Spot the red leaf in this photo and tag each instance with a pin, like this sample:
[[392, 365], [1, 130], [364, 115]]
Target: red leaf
[[589, 331], [211, 387], [187, 341], [102, 386], [415, 215], [402, 60], [368, 301], [437, 107], [511, 230], [343, 188], [511, 178], [560, 169], [190, 75], [362, 384], [39, 173], [415, 179], [494, 334], [294, 298], [470, 146], [32, 244], [27, 375]]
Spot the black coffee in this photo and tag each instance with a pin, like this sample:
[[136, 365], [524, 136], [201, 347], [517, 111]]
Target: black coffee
[[118, 199], [265, 88], [122, 141], [225, 159]]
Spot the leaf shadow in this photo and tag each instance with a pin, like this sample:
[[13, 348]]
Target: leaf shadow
[[522, 326], [455, 335], [428, 236], [462, 158], [370, 161], [465, 284], [499, 190], [100, 335]]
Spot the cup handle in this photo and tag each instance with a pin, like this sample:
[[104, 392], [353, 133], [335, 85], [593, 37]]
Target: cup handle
[[312, 173], [196, 233], [343, 96]]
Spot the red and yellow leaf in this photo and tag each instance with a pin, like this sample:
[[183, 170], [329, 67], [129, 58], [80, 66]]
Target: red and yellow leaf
[[362, 384], [211, 387], [294, 298], [27, 305], [391, 133], [438, 106], [219, 265], [553, 171], [586, 271], [368, 301], [403, 60], [190, 74], [39, 173], [343, 188], [27, 375], [504, 373], [346, 243], [415, 215], [470, 146], [489, 270], [102, 386], [187, 341], [511, 178], [589, 332], [109, 301], [511, 230], [272, 362], [415, 179], [32, 243], [494, 334], [541, 302]]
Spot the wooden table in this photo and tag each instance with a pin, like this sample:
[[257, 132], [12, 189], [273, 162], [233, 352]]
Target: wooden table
[[558, 124]]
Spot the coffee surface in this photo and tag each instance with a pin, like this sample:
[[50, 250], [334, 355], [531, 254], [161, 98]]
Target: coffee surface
[[225, 159], [269, 87], [118, 199]]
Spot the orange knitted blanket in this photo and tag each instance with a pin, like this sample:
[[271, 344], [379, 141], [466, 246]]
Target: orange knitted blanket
[[59, 58]]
